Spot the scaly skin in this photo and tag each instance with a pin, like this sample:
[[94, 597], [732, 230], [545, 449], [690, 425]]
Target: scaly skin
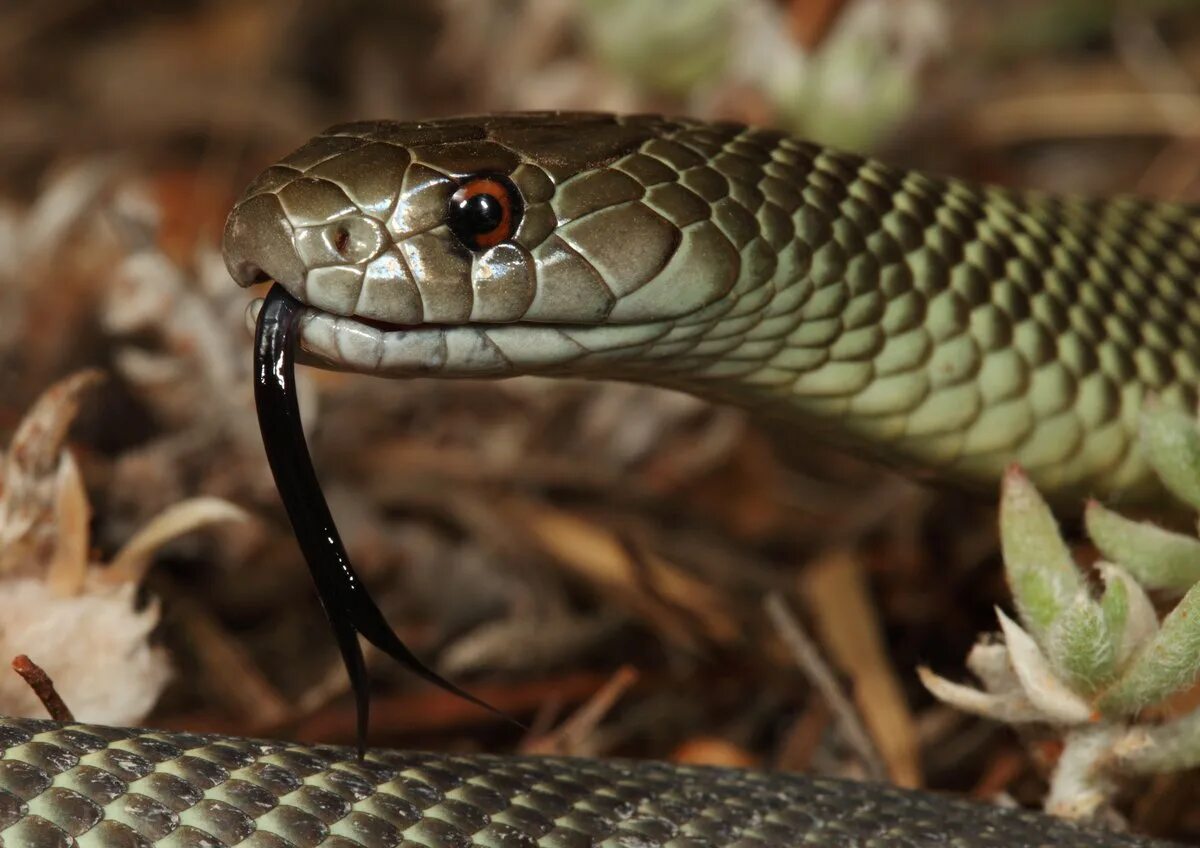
[[949, 328], [943, 327], [111, 788]]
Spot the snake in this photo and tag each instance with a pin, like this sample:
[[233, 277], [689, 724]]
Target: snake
[[941, 327]]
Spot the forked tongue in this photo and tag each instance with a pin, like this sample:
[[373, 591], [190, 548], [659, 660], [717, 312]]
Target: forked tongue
[[348, 604]]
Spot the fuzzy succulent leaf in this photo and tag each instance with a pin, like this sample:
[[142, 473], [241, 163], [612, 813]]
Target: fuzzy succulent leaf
[[1157, 558], [1114, 603], [1041, 574], [1043, 688], [1170, 441], [1080, 646], [1131, 617], [1166, 664]]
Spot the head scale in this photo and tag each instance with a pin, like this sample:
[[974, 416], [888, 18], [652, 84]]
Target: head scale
[[553, 218]]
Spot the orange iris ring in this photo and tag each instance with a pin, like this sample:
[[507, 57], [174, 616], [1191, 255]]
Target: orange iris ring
[[503, 193]]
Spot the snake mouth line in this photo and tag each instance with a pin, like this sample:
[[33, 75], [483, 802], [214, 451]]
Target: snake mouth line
[[443, 326], [473, 349]]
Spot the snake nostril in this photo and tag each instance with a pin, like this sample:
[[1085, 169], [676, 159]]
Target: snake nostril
[[341, 240], [251, 274]]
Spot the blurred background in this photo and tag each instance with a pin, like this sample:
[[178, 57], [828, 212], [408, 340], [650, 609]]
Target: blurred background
[[619, 567]]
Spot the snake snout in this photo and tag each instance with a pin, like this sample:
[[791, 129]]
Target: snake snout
[[259, 244]]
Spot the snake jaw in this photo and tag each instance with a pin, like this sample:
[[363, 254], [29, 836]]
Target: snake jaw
[[468, 350]]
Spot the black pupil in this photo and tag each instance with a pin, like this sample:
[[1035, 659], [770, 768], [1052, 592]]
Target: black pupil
[[480, 213]]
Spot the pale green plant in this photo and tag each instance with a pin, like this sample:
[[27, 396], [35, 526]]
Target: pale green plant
[[849, 91], [1097, 665]]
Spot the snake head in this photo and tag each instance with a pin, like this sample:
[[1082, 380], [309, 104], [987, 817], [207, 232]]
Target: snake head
[[490, 245]]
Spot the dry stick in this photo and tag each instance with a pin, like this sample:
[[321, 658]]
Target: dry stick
[[818, 672], [583, 723], [43, 687], [434, 711], [848, 626], [228, 671], [811, 20], [1147, 55], [1025, 117]]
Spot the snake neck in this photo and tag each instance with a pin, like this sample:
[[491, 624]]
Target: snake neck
[[933, 324]]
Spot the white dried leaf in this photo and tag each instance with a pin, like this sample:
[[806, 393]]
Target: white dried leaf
[[68, 568], [990, 663], [94, 646], [137, 213], [147, 370], [144, 288], [1011, 707], [63, 204], [1050, 695], [42, 432], [131, 562], [29, 485]]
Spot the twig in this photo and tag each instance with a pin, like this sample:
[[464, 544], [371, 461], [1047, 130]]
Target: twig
[[818, 672], [422, 712], [1023, 118], [848, 625], [1001, 771], [811, 20], [43, 687], [228, 672], [566, 739], [1150, 59], [595, 553], [800, 742]]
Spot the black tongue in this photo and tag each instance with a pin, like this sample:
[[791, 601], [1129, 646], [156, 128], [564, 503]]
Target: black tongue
[[347, 603]]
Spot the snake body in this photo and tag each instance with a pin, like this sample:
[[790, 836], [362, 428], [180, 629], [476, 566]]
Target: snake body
[[120, 788], [933, 324]]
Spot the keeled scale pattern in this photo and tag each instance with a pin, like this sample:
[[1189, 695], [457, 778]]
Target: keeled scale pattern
[[935, 323], [64, 785]]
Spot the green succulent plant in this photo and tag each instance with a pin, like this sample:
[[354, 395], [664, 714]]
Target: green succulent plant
[[1089, 662]]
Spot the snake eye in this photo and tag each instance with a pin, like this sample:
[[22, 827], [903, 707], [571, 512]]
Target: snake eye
[[485, 211]]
